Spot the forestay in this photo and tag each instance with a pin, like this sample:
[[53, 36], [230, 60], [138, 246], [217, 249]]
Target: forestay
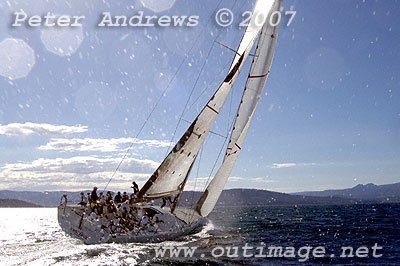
[[255, 83], [171, 175]]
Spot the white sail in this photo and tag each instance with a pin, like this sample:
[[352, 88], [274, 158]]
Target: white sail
[[171, 175], [255, 83]]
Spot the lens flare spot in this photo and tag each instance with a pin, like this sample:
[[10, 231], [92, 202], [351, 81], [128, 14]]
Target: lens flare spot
[[158, 5], [17, 58], [62, 41]]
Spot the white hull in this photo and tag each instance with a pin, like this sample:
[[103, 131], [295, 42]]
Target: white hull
[[94, 229]]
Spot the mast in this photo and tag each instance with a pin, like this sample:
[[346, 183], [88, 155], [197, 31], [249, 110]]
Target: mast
[[170, 177], [255, 83]]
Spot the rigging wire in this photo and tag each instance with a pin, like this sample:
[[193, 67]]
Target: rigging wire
[[229, 127], [157, 103], [215, 77], [194, 86], [187, 102], [191, 93], [222, 147], [219, 154], [209, 85], [197, 79]]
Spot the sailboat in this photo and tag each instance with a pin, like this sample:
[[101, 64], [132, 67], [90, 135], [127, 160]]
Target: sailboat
[[170, 178]]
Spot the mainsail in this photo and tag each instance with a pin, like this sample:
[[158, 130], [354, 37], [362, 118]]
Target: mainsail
[[173, 172], [255, 83]]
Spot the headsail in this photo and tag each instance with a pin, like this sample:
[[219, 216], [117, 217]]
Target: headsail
[[170, 176], [255, 83]]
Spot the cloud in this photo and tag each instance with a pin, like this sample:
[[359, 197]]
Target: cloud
[[101, 145], [261, 180], [191, 187], [235, 178], [199, 184], [82, 165], [283, 165], [85, 172], [76, 173], [28, 128], [249, 179], [69, 181], [287, 165]]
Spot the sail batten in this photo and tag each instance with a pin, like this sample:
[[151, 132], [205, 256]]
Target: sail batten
[[255, 83], [169, 176]]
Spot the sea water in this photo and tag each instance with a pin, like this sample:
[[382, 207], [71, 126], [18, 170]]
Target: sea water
[[32, 236]]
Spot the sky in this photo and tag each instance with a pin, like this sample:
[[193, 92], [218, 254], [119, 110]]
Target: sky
[[74, 99]]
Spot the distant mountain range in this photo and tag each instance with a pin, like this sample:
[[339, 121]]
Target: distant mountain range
[[369, 193], [390, 192]]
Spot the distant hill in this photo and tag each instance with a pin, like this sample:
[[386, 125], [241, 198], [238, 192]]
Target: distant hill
[[230, 197], [383, 193], [255, 197], [368, 193], [48, 199], [13, 203]]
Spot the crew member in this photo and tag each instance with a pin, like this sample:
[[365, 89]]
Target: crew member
[[83, 199], [118, 198], [135, 187], [93, 197]]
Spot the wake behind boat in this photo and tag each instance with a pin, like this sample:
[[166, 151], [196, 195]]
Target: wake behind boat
[[136, 220]]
